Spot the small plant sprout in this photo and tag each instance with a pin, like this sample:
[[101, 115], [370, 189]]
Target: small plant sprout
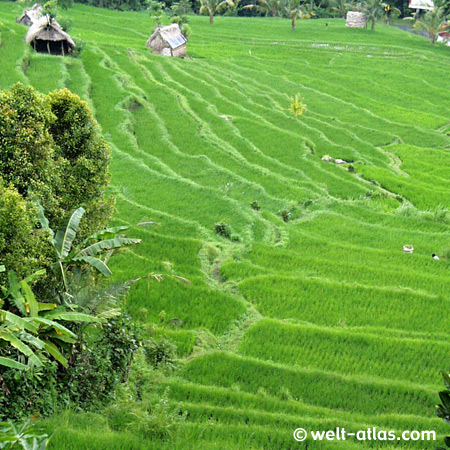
[[297, 107]]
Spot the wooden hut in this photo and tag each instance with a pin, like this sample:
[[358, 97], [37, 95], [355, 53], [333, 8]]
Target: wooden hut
[[47, 36], [31, 15], [356, 19], [168, 41]]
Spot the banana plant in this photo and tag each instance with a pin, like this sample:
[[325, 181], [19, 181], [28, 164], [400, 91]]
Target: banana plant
[[89, 252], [32, 329], [22, 436]]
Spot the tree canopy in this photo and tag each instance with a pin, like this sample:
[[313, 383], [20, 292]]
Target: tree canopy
[[53, 154]]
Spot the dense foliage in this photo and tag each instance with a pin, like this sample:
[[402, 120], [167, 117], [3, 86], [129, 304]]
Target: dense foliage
[[23, 247], [51, 150], [63, 339]]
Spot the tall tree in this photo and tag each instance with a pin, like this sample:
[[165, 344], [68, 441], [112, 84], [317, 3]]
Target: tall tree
[[374, 10], [212, 7], [295, 9]]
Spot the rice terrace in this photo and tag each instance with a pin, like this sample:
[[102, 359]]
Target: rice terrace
[[289, 188]]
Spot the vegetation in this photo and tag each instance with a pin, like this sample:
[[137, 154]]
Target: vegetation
[[374, 10], [212, 7], [341, 7], [274, 329], [46, 344], [434, 22]]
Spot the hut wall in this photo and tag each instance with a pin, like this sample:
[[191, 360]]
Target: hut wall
[[355, 19], [180, 51]]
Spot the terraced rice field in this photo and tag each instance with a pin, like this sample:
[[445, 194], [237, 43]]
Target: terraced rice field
[[318, 322]]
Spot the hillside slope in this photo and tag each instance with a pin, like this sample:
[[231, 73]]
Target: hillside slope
[[315, 322]]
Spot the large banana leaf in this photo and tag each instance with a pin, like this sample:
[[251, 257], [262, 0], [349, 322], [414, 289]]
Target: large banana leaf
[[67, 233], [7, 362], [53, 350], [105, 245], [17, 288], [105, 234], [31, 304], [19, 322], [42, 219], [53, 335], [21, 346], [73, 317], [55, 325], [96, 263]]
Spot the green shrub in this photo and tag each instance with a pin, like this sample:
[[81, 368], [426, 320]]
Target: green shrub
[[223, 229], [186, 30], [27, 158], [83, 158], [51, 149], [28, 392], [23, 248], [161, 353], [255, 205], [100, 365], [285, 215], [80, 45]]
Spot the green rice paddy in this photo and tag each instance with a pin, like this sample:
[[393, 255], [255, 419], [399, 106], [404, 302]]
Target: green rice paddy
[[319, 322]]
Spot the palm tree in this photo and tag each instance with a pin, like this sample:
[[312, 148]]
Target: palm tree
[[373, 9], [296, 10], [267, 7], [211, 7], [341, 6], [433, 22]]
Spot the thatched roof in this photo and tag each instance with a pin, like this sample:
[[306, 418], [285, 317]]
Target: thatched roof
[[47, 29], [170, 35], [31, 15]]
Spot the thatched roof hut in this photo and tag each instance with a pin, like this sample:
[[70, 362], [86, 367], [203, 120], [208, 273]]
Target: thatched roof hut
[[31, 15], [47, 36], [356, 19], [168, 41]]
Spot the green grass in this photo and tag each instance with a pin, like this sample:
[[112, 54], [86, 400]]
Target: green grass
[[322, 321]]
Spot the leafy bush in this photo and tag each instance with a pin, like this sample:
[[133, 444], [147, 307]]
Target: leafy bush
[[186, 30], [23, 248], [65, 22], [51, 149], [285, 215], [27, 159], [83, 158], [223, 229], [255, 205], [118, 5], [80, 45], [99, 363], [156, 419], [161, 353], [22, 436], [28, 391]]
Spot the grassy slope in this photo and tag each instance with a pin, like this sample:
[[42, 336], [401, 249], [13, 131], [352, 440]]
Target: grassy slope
[[320, 322]]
